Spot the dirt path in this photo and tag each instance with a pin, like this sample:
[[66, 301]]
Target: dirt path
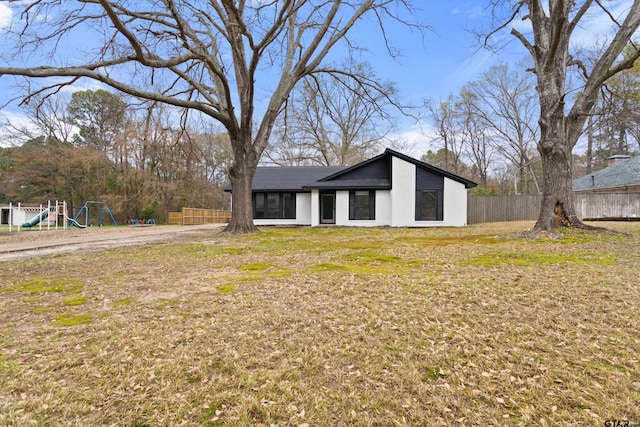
[[34, 243]]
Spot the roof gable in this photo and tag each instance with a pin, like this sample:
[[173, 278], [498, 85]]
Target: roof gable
[[376, 173], [624, 174]]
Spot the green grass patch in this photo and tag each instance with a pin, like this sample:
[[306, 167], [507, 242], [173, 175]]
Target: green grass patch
[[372, 257], [256, 266], [123, 302], [74, 300], [279, 273], [227, 288], [354, 268], [530, 259], [41, 310], [41, 286], [49, 285], [68, 319], [325, 267]]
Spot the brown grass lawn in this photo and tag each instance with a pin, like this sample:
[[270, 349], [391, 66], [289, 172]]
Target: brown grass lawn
[[327, 327]]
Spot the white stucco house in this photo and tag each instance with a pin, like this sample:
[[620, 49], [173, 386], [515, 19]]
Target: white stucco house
[[391, 189]]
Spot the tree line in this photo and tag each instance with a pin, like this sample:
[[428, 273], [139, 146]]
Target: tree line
[[97, 146]]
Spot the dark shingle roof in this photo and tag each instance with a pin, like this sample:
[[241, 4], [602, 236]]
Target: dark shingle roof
[[623, 174], [290, 178]]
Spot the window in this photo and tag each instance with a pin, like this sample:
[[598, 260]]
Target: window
[[429, 205], [274, 205], [258, 205], [362, 205], [289, 203]]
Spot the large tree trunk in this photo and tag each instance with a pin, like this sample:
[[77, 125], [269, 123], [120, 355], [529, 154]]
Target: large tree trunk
[[241, 177], [557, 208], [241, 207]]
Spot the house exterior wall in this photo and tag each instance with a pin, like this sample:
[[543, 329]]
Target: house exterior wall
[[403, 199], [315, 207], [303, 208], [455, 203], [395, 207], [383, 210], [403, 193]]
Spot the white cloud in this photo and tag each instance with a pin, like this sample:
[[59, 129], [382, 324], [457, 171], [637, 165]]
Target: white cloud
[[6, 15], [416, 140], [19, 123]]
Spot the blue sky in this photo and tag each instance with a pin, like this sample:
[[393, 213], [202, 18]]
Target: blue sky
[[432, 66]]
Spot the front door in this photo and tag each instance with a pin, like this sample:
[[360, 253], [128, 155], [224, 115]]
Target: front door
[[328, 208]]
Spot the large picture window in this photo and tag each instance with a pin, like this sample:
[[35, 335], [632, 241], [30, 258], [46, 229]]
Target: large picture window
[[274, 205], [429, 205], [362, 205]]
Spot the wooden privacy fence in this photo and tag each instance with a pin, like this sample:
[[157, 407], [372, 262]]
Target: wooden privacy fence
[[607, 205], [527, 207], [193, 216], [174, 218]]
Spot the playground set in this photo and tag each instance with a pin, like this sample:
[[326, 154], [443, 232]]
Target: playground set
[[54, 215]]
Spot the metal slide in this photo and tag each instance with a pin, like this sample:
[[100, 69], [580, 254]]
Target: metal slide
[[73, 222], [35, 220]]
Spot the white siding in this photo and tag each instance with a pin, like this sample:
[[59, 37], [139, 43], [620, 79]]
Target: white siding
[[383, 210], [455, 203], [303, 208], [403, 193], [315, 207]]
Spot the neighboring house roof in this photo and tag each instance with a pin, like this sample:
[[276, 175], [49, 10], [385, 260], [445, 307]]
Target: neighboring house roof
[[624, 174]]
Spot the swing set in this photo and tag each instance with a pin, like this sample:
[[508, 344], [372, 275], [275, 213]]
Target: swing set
[[104, 209]]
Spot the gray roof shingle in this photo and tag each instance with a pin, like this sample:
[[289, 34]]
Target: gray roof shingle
[[623, 174], [290, 178]]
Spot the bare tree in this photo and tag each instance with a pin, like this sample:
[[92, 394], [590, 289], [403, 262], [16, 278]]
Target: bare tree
[[210, 56], [335, 119], [475, 137], [504, 101], [47, 117], [447, 121], [561, 124]]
